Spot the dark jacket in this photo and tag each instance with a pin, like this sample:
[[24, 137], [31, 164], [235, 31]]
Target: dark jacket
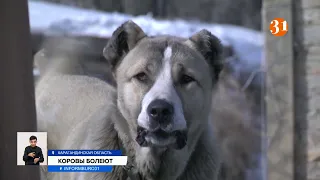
[[38, 154]]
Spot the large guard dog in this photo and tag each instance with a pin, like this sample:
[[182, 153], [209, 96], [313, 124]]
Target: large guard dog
[[158, 114]]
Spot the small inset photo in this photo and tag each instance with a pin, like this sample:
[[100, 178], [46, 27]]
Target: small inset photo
[[32, 148]]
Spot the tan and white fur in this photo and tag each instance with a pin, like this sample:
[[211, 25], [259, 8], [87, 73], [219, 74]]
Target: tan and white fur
[[81, 112]]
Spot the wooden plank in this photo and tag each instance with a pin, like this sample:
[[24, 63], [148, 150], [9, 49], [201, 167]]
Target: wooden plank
[[276, 4], [279, 93], [313, 51], [17, 111], [310, 3], [311, 35], [311, 12], [311, 16], [313, 62]]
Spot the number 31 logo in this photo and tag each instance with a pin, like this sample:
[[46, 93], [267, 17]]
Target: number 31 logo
[[278, 27]]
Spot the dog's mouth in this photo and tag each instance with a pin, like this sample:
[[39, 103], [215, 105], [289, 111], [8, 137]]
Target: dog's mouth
[[160, 138]]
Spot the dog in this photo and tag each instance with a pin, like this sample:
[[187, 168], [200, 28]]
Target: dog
[[159, 113], [235, 119]]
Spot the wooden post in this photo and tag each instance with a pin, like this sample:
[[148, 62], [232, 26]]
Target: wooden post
[[293, 89], [17, 112], [310, 68], [279, 91]]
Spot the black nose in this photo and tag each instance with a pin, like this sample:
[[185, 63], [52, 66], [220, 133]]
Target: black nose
[[160, 111]]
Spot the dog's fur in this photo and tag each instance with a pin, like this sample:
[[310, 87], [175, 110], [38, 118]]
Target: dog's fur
[[71, 56], [81, 112]]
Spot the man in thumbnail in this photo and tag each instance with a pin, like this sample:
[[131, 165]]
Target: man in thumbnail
[[33, 154]]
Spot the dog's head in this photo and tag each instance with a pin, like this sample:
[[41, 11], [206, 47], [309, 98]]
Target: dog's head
[[164, 83]]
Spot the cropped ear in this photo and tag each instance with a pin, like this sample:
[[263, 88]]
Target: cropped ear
[[211, 49], [123, 39]]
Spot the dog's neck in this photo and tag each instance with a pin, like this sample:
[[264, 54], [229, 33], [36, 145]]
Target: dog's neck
[[156, 163]]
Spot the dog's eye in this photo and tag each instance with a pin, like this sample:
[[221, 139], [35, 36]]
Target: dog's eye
[[185, 79], [141, 76]]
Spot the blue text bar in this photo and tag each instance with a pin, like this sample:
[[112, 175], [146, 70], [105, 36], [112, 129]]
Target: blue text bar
[[79, 168], [84, 153]]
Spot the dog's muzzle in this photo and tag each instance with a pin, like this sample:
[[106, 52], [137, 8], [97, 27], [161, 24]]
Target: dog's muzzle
[[161, 121]]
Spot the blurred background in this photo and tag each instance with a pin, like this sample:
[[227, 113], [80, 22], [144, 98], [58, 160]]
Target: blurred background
[[246, 13], [236, 23]]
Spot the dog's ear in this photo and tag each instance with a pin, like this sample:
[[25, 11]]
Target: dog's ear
[[211, 49], [123, 39]]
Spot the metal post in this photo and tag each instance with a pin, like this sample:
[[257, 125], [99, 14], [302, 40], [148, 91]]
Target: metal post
[[17, 107]]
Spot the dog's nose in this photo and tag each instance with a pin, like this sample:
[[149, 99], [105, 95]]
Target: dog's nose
[[160, 110]]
